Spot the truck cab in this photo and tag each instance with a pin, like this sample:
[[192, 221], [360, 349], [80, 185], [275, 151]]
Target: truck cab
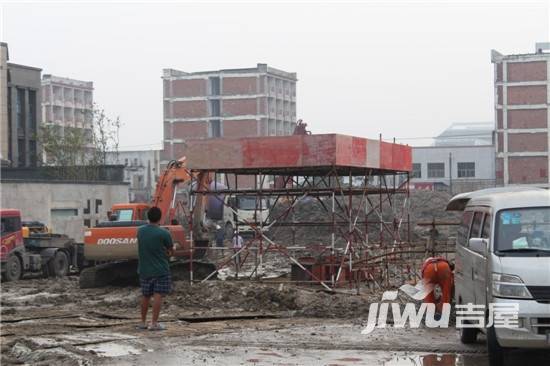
[[250, 211], [30, 247], [11, 237]]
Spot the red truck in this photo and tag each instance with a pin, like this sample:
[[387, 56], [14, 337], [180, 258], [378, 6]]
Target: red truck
[[28, 247]]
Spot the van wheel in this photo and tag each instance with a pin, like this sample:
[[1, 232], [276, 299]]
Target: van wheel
[[58, 266], [468, 335], [13, 269], [496, 352]]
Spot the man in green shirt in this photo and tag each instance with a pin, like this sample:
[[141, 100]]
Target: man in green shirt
[[154, 248]]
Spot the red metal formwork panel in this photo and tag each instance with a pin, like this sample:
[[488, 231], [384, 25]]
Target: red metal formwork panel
[[401, 158], [318, 150], [213, 154], [269, 152], [386, 155], [358, 151], [304, 151]]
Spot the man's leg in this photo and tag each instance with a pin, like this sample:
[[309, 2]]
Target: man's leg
[[162, 287], [144, 308], [157, 302], [146, 291]]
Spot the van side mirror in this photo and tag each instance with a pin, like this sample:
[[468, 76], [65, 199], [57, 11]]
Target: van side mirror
[[478, 245]]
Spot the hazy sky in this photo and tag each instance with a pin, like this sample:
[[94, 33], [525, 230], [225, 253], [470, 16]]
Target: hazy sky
[[403, 69]]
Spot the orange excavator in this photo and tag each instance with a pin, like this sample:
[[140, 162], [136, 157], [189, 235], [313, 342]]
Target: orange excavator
[[111, 246]]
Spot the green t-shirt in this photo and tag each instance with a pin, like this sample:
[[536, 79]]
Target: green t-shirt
[[153, 241]]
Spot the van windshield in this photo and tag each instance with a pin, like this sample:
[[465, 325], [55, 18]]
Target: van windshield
[[523, 230]]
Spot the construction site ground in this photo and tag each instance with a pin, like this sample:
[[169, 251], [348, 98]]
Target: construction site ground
[[54, 322]]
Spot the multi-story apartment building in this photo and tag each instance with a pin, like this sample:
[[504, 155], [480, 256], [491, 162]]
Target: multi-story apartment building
[[256, 101], [522, 114], [20, 118], [67, 102]]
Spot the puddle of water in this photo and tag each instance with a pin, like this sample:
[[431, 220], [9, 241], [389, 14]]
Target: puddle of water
[[436, 360], [93, 336], [111, 349]]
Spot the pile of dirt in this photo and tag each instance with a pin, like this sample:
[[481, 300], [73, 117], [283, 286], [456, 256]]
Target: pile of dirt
[[424, 206], [28, 296], [257, 297]]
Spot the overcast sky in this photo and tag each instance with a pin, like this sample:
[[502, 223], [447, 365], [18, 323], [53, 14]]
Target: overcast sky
[[403, 69]]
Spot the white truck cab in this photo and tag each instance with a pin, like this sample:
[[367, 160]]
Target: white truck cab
[[503, 258], [243, 212]]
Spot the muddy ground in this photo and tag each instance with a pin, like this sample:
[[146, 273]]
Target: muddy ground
[[34, 308], [53, 322]]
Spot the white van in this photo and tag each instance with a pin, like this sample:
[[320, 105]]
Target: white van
[[503, 257]]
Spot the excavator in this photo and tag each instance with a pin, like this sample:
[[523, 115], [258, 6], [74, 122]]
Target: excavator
[[111, 246]]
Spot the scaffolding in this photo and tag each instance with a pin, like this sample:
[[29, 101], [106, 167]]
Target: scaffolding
[[362, 215]]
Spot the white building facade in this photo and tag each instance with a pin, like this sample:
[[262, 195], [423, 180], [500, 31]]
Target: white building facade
[[453, 168], [141, 171], [67, 102]]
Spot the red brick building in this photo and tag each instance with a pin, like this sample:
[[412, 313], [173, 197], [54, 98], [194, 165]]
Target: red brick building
[[522, 114], [258, 101]]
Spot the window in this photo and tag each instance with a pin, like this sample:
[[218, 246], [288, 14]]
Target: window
[[20, 111], [523, 228], [436, 170], [87, 223], [124, 214], [98, 203], [126, 162], [32, 111], [462, 233], [214, 85], [87, 209], [63, 212], [476, 225], [215, 108], [417, 170], [135, 162], [21, 152], [466, 170], [215, 128], [10, 225], [486, 231]]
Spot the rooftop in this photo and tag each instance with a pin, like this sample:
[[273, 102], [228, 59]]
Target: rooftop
[[542, 51], [260, 68], [466, 133], [52, 79]]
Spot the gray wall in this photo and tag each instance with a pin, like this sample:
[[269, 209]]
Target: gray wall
[[51, 203], [482, 156]]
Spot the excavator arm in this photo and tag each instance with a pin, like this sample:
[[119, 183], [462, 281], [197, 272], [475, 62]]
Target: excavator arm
[[164, 198]]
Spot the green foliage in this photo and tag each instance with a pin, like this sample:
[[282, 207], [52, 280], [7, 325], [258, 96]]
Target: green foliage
[[74, 148]]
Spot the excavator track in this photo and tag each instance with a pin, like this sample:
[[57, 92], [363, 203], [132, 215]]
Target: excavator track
[[125, 273]]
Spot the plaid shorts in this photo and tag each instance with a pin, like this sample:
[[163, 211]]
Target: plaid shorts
[[156, 285]]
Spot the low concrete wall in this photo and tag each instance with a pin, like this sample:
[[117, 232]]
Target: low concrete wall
[[65, 207]]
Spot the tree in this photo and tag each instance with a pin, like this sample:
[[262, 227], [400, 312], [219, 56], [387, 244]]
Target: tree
[[105, 136], [77, 149]]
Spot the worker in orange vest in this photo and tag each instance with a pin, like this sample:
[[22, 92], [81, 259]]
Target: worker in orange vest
[[438, 271]]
